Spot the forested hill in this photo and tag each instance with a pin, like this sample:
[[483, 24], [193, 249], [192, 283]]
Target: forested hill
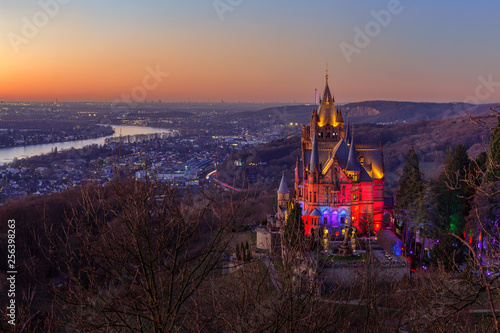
[[431, 139], [373, 112]]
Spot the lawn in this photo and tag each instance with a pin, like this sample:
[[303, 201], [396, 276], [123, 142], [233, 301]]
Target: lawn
[[327, 258]]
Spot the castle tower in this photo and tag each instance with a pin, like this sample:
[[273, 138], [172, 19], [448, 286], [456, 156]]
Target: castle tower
[[327, 112], [283, 194], [337, 183]]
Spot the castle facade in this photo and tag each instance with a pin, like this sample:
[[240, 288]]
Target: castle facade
[[338, 183]]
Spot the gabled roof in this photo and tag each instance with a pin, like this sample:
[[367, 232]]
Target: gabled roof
[[341, 151], [373, 157], [348, 159], [363, 175], [283, 187], [315, 212]]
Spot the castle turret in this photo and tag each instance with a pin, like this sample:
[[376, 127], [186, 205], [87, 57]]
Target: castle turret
[[327, 112], [283, 194], [352, 163], [314, 162]]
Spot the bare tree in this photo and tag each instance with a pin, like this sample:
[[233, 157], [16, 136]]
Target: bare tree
[[480, 283], [132, 255]]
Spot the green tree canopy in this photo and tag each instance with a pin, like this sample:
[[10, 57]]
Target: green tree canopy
[[410, 183], [453, 192], [294, 230], [495, 143]]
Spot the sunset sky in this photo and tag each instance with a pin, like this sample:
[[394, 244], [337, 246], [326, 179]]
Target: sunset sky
[[250, 50]]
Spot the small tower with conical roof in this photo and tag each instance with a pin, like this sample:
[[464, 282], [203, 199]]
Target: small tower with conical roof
[[283, 194]]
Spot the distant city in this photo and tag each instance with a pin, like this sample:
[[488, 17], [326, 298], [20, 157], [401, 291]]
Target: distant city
[[185, 142]]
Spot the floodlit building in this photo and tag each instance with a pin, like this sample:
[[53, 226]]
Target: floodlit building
[[337, 180]]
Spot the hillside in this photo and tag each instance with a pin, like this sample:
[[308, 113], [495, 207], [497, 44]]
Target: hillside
[[262, 165], [372, 112]]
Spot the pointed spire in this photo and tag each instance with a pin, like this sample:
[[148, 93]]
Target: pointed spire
[[326, 73], [283, 187], [314, 155], [340, 119], [327, 112], [352, 160], [346, 134]]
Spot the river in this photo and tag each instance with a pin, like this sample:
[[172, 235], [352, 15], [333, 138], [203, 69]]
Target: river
[[7, 155]]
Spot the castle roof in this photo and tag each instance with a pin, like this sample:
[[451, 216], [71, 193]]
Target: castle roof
[[327, 112], [314, 162], [315, 212], [341, 151], [300, 167], [352, 160], [283, 187], [347, 137], [373, 160]]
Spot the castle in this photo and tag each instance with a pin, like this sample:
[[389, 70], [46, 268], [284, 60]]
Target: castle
[[337, 183]]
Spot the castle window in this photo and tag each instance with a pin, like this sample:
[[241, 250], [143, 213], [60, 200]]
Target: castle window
[[320, 134], [328, 134], [314, 197], [335, 198]]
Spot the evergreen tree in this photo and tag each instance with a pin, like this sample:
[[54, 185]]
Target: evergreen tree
[[410, 188], [410, 183], [294, 229], [453, 192], [495, 143], [485, 180], [493, 160], [449, 252]]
